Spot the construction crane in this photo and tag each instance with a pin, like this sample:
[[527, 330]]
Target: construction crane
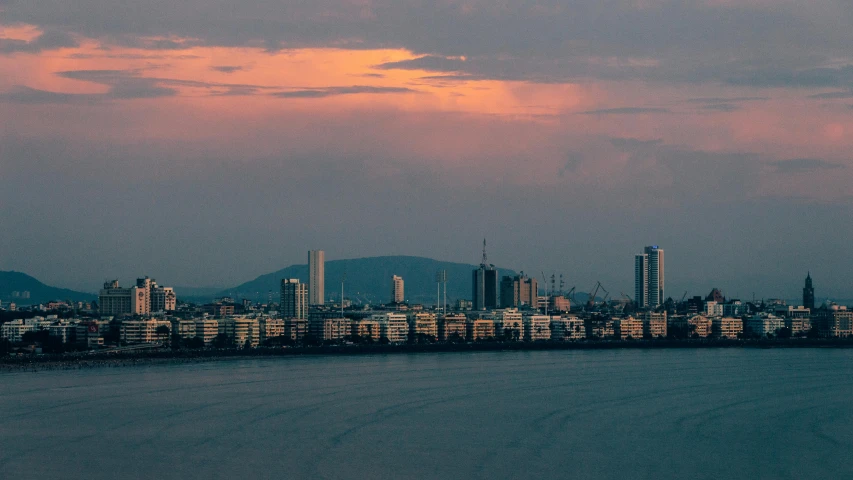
[[571, 295], [683, 297], [591, 300]]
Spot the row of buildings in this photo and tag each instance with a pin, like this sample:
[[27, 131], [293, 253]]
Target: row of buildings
[[419, 326]]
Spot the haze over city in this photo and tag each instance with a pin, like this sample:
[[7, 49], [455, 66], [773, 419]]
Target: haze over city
[[205, 145]]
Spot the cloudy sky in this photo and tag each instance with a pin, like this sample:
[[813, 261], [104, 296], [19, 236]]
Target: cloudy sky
[[205, 142]]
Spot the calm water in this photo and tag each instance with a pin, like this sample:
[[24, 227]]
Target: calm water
[[728, 413]]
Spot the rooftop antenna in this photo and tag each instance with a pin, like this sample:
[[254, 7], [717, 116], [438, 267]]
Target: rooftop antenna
[[562, 284], [484, 262], [343, 279]]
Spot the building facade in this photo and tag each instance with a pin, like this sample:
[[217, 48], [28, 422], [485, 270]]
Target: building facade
[[518, 291], [397, 289], [316, 277], [649, 277], [293, 299]]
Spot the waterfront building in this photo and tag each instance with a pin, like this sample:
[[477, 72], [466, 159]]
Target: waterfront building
[[206, 329], [316, 277], [808, 292], [726, 327], [184, 329], [479, 329], [452, 326], [763, 324], [293, 299], [295, 329], [393, 326], [66, 332], [798, 326], [422, 323], [88, 334], [366, 328], [835, 321], [649, 277], [335, 329], [397, 292], [242, 332], [699, 326], [600, 328], [537, 327], [15, 330], [629, 328], [148, 330], [509, 323], [518, 291], [654, 324], [271, 328], [567, 327]]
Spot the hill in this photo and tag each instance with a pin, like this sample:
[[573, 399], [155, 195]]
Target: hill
[[368, 280], [11, 282]]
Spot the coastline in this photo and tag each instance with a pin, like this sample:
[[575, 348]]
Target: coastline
[[76, 361]]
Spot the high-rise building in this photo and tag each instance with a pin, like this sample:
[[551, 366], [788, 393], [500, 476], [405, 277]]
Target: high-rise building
[[649, 277], [316, 277], [519, 291], [485, 285], [143, 299], [397, 293], [294, 299], [808, 293]]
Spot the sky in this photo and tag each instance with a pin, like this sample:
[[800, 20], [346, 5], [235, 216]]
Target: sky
[[206, 142]]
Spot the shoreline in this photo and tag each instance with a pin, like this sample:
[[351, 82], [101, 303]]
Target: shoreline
[[76, 361]]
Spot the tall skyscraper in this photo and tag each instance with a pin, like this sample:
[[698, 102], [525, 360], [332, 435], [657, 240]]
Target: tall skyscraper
[[316, 277], [397, 293], [649, 277], [485, 285], [294, 299], [808, 292]]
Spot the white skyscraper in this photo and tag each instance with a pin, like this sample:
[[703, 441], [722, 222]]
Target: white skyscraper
[[649, 277], [316, 277], [397, 289]]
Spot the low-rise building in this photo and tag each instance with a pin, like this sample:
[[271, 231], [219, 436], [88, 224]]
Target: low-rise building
[[480, 329], [798, 326], [393, 326], [537, 327], [629, 328], [726, 327], [654, 324], [366, 328], [271, 328], [699, 326], [206, 329], [66, 332], [336, 329], [836, 321], [600, 328], [763, 325], [242, 332], [145, 331], [567, 327], [15, 330], [423, 324], [452, 326]]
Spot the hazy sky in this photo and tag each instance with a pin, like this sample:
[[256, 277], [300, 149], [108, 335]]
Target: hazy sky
[[205, 142]]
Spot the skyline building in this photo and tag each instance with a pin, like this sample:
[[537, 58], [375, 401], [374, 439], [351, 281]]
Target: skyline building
[[397, 292], [649, 277], [143, 299], [519, 291], [316, 277], [484, 289], [808, 293], [294, 298]]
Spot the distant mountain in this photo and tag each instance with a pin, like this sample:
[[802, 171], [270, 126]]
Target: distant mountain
[[368, 280], [22, 283]]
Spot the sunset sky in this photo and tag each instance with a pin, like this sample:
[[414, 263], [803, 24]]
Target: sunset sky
[[205, 142]]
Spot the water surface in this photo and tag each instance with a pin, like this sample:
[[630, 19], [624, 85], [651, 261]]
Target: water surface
[[605, 414]]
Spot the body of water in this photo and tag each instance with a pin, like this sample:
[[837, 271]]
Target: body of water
[[599, 414]]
